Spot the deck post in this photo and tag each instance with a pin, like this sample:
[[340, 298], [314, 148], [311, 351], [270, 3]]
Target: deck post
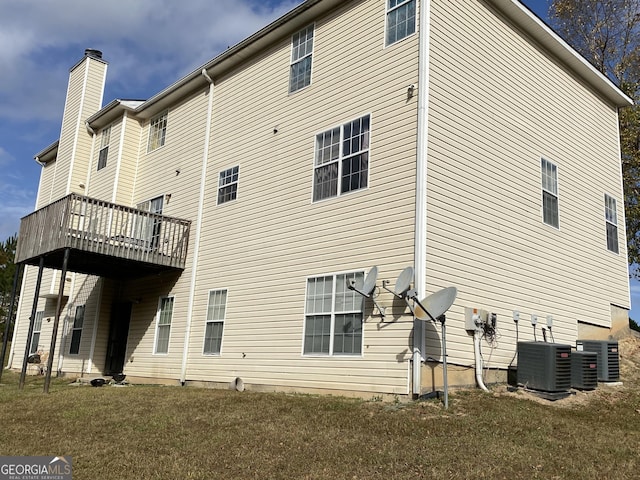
[[32, 320], [56, 322]]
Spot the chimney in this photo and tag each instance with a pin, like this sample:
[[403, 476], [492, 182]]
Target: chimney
[[92, 52]]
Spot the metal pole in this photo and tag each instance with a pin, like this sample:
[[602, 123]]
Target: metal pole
[[32, 320], [444, 362], [5, 339], [56, 322]]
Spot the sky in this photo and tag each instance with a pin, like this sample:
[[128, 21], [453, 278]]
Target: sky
[[149, 44]]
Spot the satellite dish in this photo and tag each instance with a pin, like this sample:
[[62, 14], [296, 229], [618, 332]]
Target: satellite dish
[[435, 304], [404, 281], [370, 281]]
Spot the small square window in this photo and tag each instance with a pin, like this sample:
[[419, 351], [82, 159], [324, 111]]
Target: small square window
[[228, 185]]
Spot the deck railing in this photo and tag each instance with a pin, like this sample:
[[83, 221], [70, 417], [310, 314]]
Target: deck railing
[[96, 226]]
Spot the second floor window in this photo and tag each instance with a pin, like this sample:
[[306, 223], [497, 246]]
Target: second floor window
[[301, 56], [550, 193], [341, 162], [228, 185], [401, 19], [157, 131], [104, 147]]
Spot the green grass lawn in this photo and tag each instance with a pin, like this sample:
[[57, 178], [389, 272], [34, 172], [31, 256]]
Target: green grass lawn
[[146, 432]]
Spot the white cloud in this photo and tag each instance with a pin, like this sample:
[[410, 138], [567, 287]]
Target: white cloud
[[147, 42]]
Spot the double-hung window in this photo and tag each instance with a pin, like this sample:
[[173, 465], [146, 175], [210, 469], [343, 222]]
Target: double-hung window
[[157, 131], [550, 193], [611, 220], [341, 162], [228, 185], [401, 19], [76, 331], [333, 315], [163, 325], [37, 328], [104, 147], [301, 59], [215, 322]]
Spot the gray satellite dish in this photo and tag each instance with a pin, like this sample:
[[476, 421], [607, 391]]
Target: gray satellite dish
[[404, 281], [435, 304], [370, 282]]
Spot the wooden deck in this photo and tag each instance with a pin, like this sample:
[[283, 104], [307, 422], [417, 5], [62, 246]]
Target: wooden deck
[[104, 238]]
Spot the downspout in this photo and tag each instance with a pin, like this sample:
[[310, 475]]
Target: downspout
[[196, 247], [420, 235]]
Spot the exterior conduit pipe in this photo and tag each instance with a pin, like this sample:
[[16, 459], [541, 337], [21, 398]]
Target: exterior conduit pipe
[[478, 357], [420, 236], [198, 232]]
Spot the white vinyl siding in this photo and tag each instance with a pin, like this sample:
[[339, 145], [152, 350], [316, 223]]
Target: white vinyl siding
[[157, 131], [301, 59], [216, 309], [37, 329], [334, 316], [104, 147], [228, 185], [549, 193], [611, 221], [401, 19], [341, 161], [163, 325]]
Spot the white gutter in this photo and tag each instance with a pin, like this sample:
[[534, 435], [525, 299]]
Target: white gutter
[[92, 132], [196, 247], [420, 235]]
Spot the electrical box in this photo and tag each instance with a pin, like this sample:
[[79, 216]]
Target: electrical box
[[544, 366], [471, 315], [608, 357], [584, 370]]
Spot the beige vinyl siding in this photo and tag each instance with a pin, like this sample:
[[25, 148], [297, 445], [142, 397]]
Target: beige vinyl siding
[[103, 181], [103, 319], [128, 161], [46, 182], [264, 245], [87, 293], [498, 104], [75, 145]]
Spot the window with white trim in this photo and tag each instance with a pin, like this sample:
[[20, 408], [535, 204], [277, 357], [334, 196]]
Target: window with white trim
[[611, 221], [76, 331], [333, 315], [341, 161], [401, 19], [105, 138], [157, 131], [549, 193], [37, 328], [301, 59], [216, 309], [163, 324], [228, 185]]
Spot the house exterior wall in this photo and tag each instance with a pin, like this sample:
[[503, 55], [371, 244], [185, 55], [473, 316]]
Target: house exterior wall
[[499, 103]]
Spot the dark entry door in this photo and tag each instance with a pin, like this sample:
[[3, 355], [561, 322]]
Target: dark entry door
[[118, 333]]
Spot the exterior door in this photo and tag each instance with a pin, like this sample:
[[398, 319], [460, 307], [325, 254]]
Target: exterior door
[[118, 334]]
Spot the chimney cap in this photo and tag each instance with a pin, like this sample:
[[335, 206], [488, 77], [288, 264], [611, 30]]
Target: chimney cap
[[92, 52]]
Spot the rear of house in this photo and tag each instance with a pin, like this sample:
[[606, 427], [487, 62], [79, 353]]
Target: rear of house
[[463, 140]]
